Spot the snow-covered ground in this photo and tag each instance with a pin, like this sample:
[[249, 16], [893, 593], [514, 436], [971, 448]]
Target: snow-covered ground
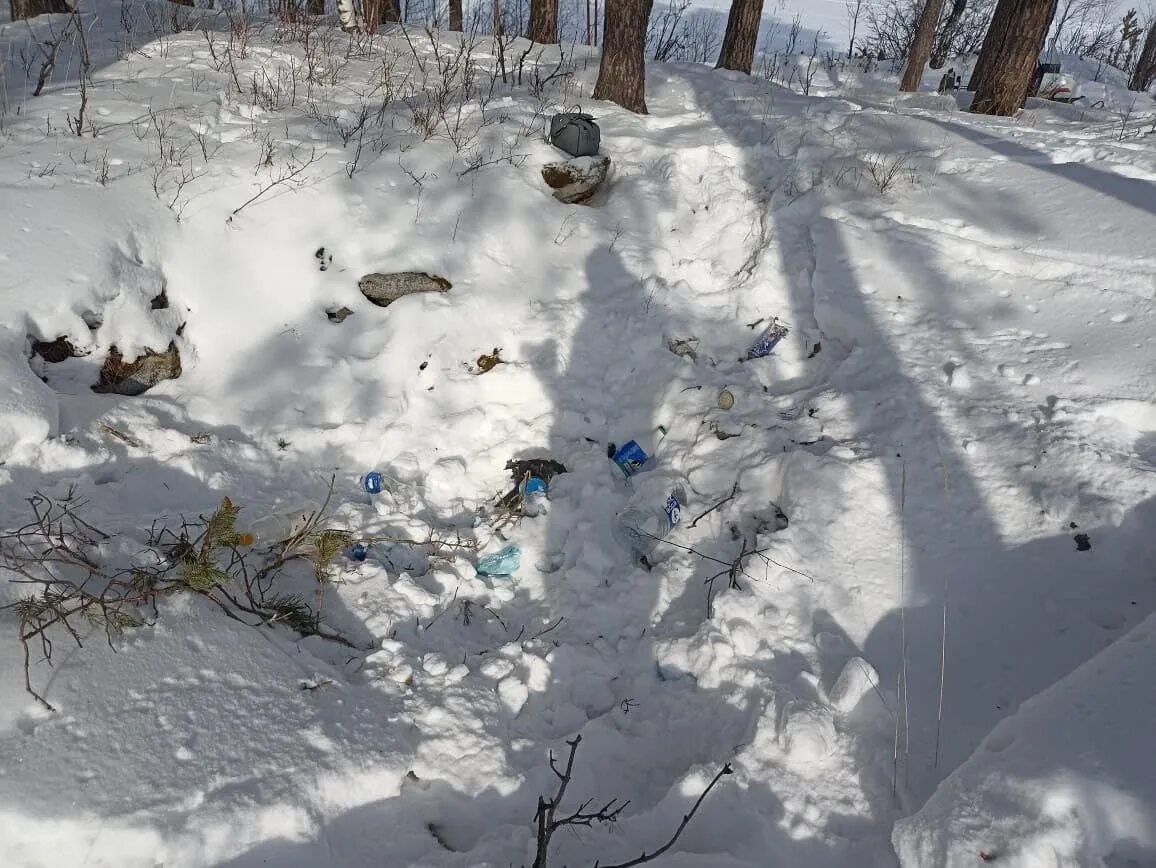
[[967, 386]]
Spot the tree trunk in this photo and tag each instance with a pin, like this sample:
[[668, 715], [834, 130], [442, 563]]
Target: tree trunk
[[31, 8], [1145, 72], [622, 72], [315, 7], [996, 30], [921, 46], [381, 12], [1014, 56], [456, 15], [544, 21], [738, 48], [947, 34]]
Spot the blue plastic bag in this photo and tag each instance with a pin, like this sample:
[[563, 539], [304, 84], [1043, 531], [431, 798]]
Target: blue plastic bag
[[502, 563]]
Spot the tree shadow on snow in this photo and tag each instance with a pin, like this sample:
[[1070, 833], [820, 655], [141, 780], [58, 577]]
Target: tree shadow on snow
[[953, 543]]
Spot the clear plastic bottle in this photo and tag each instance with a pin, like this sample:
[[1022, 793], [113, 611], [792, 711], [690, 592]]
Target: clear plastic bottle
[[274, 528], [534, 492], [652, 513]]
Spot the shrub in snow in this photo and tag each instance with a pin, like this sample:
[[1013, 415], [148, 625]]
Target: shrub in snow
[[237, 568]]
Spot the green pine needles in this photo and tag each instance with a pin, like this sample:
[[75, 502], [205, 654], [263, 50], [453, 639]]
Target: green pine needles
[[79, 588]]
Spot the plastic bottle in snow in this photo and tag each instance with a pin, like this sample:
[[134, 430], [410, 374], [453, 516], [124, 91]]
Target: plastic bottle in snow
[[373, 483], [653, 512], [533, 496], [276, 528], [502, 563], [376, 487]]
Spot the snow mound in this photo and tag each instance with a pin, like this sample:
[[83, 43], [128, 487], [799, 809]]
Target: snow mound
[[1068, 780], [28, 410]]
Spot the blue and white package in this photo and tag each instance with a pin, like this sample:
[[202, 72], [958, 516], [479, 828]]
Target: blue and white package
[[630, 457], [767, 340]]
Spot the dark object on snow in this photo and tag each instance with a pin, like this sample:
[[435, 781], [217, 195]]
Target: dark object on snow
[[523, 469], [575, 133], [160, 301], [55, 351], [577, 180], [118, 377], [338, 314], [324, 257], [949, 82], [487, 363], [543, 468], [1042, 69], [384, 289], [1083, 542]]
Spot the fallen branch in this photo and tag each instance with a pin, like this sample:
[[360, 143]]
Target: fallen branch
[[648, 857], [541, 633], [728, 499], [285, 177], [548, 822]]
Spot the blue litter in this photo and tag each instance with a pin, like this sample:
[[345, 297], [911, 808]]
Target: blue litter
[[533, 486], [630, 457], [373, 483], [501, 563], [767, 340], [359, 551]]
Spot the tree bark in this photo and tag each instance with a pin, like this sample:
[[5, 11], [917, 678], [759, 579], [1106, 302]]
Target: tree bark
[[31, 8], [987, 56], [1014, 56], [738, 48], [622, 72], [921, 46], [947, 34], [456, 15], [1145, 72], [544, 21]]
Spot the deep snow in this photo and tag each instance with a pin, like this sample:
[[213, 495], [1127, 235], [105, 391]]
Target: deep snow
[[967, 385]]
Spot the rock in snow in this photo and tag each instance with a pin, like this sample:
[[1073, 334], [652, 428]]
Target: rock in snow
[[575, 181], [55, 351], [384, 289], [118, 377]]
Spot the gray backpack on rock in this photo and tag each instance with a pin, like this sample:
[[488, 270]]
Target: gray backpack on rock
[[575, 133]]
